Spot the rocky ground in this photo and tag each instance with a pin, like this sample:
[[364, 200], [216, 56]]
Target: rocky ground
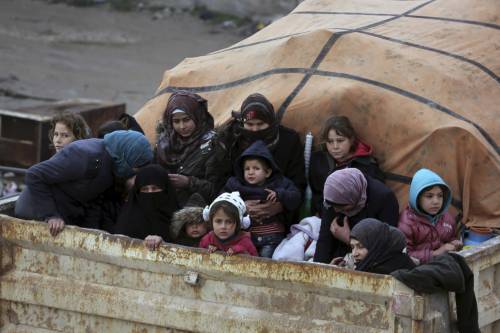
[[52, 51]]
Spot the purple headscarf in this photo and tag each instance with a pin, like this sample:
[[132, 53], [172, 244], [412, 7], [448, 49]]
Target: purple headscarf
[[346, 187]]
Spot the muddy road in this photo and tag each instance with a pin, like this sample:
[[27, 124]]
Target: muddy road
[[54, 51]]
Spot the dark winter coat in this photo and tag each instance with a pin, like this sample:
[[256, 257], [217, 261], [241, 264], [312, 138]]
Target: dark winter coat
[[381, 204], [287, 151], [64, 185], [207, 168], [446, 272], [287, 193], [322, 165]]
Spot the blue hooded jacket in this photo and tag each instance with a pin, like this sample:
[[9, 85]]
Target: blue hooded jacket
[[425, 178], [287, 192]]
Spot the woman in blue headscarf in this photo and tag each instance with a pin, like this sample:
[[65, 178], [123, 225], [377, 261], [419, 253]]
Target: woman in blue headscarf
[[58, 190]]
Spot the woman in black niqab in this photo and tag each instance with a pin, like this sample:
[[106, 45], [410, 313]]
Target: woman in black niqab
[[150, 205]]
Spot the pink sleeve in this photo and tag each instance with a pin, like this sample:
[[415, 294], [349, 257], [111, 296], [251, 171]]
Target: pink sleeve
[[424, 252], [245, 246], [448, 218], [205, 242]]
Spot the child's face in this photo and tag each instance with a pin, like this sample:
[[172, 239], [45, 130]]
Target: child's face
[[62, 136], [255, 172], [195, 230], [359, 252], [431, 200], [224, 226], [338, 146]]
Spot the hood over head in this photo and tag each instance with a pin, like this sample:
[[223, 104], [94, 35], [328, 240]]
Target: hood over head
[[423, 179], [257, 149]]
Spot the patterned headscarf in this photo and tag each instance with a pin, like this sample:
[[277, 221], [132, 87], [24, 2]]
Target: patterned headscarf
[[172, 148], [257, 106], [347, 187]]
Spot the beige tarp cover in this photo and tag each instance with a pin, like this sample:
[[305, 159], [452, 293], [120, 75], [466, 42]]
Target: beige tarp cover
[[418, 79]]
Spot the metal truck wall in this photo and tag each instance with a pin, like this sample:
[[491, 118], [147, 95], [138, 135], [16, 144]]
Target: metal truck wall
[[88, 281]]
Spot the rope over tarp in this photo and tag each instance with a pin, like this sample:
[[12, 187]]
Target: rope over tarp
[[418, 79]]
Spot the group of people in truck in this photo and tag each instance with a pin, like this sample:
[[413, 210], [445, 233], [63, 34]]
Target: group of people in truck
[[238, 189]]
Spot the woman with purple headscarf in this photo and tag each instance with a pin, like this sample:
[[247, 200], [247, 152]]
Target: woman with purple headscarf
[[188, 149], [349, 197]]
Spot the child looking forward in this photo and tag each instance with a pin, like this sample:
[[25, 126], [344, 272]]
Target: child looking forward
[[258, 179], [429, 228], [225, 215]]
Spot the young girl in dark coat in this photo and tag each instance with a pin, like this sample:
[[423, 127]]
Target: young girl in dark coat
[[150, 205], [349, 197], [378, 247], [188, 149], [259, 178], [225, 215], [341, 148]]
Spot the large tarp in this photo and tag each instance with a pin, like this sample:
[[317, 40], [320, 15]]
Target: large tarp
[[418, 79]]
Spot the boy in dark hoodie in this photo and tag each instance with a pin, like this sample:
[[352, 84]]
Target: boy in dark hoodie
[[259, 178]]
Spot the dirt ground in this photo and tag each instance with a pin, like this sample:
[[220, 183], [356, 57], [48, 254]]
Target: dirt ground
[[56, 51]]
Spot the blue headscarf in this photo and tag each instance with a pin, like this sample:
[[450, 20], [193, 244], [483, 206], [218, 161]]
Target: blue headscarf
[[129, 149]]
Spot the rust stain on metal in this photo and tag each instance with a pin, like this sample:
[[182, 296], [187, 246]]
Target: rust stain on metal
[[239, 287]]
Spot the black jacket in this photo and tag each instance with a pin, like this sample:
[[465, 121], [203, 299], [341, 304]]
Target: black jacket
[[446, 272], [206, 168], [396, 261], [64, 185], [381, 203], [322, 165]]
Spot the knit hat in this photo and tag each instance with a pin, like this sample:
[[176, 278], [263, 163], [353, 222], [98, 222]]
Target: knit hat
[[233, 198], [257, 106]]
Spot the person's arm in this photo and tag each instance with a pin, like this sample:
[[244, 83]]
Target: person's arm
[[324, 246], [245, 246], [153, 242], [65, 166], [422, 252], [295, 168], [289, 195], [263, 210], [216, 168]]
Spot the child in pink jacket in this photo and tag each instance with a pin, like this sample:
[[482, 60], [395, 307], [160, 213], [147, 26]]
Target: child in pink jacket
[[225, 215], [429, 228]]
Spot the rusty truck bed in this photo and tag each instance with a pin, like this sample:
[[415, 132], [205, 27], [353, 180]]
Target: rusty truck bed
[[90, 281]]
